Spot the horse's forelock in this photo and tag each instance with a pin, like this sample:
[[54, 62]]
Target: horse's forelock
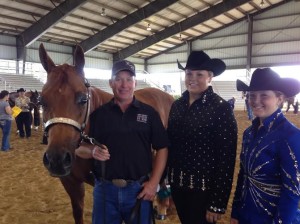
[[63, 75]]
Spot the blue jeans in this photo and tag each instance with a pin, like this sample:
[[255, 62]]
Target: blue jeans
[[5, 125], [113, 204]]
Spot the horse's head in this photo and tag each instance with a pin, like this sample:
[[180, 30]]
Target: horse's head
[[65, 101], [35, 97], [12, 98]]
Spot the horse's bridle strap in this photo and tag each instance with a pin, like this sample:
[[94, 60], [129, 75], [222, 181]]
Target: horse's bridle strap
[[62, 120]]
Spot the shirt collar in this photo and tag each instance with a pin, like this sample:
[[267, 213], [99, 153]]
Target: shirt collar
[[135, 103], [208, 92], [269, 121]]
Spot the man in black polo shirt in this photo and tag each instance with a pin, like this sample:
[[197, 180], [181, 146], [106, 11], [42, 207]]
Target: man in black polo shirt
[[128, 130]]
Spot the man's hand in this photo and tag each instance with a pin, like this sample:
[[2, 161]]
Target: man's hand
[[149, 191], [212, 217], [234, 221], [100, 153]]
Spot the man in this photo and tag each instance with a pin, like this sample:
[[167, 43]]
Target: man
[[128, 129]]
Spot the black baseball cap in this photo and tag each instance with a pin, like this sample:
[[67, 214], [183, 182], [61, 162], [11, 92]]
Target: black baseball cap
[[123, 65]]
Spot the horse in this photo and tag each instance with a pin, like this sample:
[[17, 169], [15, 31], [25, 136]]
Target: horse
[[33, 105], [291, 101], [68, 100]]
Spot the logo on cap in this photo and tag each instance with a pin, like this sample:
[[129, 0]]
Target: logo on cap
[[123, 65]]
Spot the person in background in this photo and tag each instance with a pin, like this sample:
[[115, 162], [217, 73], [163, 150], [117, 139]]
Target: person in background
[[203, 140], [245, 95], [232, 102], [5, 120], [268, 186], [24, 118], [128, 130]]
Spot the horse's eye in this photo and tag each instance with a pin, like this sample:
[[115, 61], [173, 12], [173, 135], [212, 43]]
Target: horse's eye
[[81, 98]]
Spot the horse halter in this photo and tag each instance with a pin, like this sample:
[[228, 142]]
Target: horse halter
[[63, 120]]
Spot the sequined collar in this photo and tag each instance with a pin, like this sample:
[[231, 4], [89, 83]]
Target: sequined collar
[[269, 121], [203, 98]]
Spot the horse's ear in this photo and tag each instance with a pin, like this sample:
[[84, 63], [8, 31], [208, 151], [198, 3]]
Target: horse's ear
[[79, 59], [46, 61]]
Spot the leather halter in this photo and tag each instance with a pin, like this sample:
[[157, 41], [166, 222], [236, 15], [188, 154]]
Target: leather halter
[[64, 120]]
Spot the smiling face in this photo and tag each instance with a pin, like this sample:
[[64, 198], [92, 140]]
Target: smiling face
[[264, 103], [197, 81], [123, 85]]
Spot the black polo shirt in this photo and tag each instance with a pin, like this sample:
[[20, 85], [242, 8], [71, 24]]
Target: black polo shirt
[[129, 136]]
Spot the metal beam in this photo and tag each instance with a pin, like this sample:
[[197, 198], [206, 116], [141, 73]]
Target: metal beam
[[224, 27], [250, 42], [179, 27], [122, 24], [46, 22]]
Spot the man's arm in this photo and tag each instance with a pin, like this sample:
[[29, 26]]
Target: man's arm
[[150, 187]]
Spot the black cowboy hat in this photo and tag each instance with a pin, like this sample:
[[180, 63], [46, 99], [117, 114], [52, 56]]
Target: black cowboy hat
[[198, 60], [267, 79], [21, 90]]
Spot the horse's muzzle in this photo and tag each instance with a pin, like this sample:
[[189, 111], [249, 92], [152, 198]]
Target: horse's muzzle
[[58, 165]]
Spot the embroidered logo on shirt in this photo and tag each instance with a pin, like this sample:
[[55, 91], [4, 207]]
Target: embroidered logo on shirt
[[142, 118]]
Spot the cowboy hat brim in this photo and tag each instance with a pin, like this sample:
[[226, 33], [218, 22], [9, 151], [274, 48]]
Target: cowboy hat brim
[[241, 86], [199, 60], [266, 79], [214, 65], [21, 90]]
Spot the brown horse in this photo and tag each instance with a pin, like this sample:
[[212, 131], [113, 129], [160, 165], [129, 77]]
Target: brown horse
[[68, 100]]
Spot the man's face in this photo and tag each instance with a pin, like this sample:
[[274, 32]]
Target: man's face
[[123, 85]]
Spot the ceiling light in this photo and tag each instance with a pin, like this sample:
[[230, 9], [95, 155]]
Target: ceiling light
[[103, 12], [262, 3], [149, 27], [180, 37]]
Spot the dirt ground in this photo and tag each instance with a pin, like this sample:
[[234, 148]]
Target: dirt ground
[[28, 195]]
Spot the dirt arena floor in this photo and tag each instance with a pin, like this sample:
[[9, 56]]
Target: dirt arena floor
[[28, 195]]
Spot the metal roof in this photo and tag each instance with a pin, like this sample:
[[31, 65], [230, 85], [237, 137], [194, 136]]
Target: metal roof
[[119, 27]]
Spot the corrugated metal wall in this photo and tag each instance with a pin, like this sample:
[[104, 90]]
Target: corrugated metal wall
[[7, 47], [276, 36], [99, 60]]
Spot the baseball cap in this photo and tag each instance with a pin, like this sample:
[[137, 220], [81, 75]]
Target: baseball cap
[[123, 65]]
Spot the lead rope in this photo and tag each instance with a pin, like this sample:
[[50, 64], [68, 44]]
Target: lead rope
[[136, 212], [95, 142]]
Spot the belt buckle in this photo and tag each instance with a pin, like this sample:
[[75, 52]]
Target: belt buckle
[[119, 182]]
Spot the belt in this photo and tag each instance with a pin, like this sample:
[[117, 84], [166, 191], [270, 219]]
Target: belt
[[123, 183]]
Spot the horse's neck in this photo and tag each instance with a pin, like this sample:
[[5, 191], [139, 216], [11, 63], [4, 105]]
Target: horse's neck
[[98, 98]]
